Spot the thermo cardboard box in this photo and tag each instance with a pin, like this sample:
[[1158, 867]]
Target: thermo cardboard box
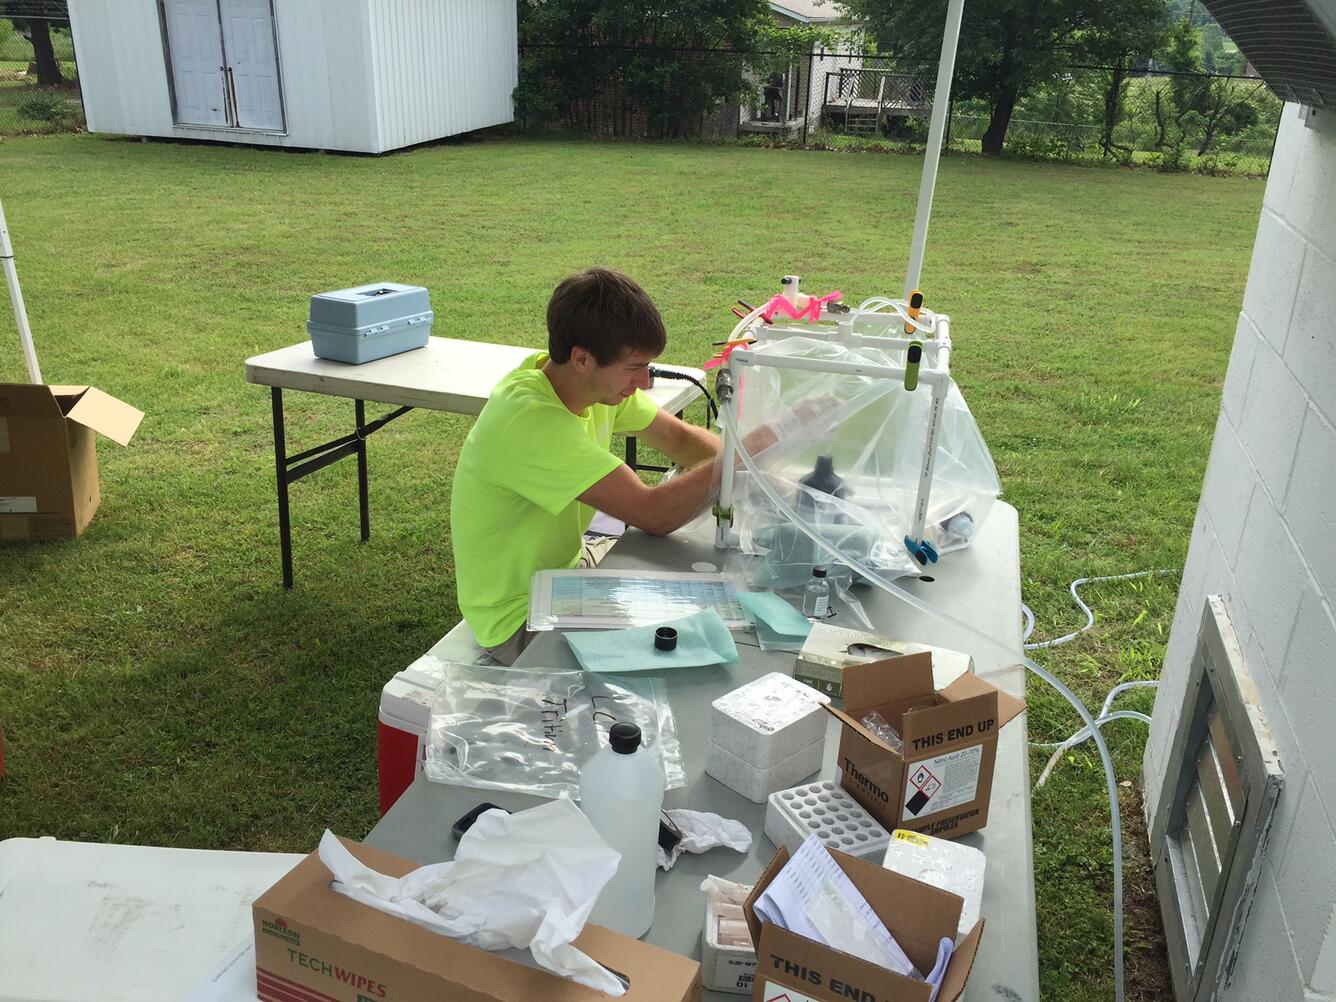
[[793, 968], [48, 463], [313, 943], [941, 783]]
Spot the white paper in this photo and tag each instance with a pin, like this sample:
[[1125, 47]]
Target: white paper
[[785, 901], [528, 879]]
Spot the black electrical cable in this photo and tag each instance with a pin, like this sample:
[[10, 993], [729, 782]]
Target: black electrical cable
[[711, 408]]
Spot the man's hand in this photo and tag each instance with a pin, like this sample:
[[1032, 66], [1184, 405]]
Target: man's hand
[[812, 411]]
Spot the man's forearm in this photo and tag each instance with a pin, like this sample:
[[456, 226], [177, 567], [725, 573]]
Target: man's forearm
[[678, 500], [697, 445]]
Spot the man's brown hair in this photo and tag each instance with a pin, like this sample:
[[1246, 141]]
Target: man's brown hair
[[604, 312]]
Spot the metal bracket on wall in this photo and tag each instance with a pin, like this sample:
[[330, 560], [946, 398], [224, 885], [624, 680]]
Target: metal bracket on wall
[[1319, 119]]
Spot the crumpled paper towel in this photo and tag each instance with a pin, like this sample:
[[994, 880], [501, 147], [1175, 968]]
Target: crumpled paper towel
[[525, 879], [702, 830]]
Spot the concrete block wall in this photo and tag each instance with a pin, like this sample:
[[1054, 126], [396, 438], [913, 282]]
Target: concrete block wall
[[1265, 539]]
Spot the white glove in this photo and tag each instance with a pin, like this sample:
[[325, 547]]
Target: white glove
[[702, 830]]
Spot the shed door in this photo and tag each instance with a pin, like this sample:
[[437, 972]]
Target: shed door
[[196, 43], [252, 61]]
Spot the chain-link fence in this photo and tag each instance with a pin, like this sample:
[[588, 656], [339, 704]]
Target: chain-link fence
[[39, 82], [1173, 121]]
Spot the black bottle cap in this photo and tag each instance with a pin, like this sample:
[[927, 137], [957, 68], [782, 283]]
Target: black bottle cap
[[818, 572], [624, 738], [665, 638]]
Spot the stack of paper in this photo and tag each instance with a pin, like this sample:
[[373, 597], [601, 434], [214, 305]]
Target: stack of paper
[[798, 900]]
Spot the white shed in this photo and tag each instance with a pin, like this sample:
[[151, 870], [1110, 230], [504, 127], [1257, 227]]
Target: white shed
[[358, 75]]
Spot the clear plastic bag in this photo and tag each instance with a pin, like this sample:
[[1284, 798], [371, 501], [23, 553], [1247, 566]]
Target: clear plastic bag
[[530, 730], [879, 726], [851, 465]]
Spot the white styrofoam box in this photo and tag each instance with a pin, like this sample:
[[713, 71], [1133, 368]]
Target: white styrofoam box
[[768, 720], [826, 811], [757, 784], [727, 966], [952, 866]]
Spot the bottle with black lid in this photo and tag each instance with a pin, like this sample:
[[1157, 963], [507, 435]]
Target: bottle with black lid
[[621, 792]]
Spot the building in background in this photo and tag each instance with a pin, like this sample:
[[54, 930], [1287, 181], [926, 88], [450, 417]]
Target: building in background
[[1257, 920], [357, 75]]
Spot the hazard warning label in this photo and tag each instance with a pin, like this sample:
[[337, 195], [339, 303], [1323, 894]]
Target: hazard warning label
[[942, 782], [780, 993]]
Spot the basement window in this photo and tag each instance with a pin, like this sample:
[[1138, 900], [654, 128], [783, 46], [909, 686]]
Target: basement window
[[1210, 828]]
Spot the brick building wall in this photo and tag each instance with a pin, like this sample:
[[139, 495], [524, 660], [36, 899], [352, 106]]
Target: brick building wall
[[1265, 540]]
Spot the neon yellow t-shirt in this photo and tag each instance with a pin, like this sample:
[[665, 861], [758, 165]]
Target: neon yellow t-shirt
[[513, 508]]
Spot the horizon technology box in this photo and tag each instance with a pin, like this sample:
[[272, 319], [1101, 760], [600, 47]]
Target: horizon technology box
[[313, 943], [941, 783]]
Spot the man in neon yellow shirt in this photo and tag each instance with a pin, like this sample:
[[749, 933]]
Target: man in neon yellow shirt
[[537, 465]]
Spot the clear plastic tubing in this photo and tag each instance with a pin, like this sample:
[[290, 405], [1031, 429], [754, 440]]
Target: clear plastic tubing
[[724, 390]]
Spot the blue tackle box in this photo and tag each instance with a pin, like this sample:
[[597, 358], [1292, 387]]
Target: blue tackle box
[[369, 322]]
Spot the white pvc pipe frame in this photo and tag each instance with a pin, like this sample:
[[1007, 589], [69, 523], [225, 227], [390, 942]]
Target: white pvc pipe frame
[[938, 378], [16, 298]]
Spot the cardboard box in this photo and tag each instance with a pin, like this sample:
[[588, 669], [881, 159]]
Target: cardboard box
[[828, 650], [48, 464], [313, 943], [792, 968], [942, 782]]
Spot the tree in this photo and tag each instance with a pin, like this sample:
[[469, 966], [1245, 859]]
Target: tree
[[34, 19], [656, 69], [1120, 36], [1007, 47], [1208, 105]]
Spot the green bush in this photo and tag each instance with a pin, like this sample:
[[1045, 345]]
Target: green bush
[[44, 107]]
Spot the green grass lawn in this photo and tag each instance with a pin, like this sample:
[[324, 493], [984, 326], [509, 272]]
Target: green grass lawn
[[157, 685]]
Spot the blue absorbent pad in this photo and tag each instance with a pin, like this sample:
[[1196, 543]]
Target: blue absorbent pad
[[702, 639], [782, 620]]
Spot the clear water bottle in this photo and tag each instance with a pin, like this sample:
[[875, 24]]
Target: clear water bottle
[[621, 792], [816, 596]]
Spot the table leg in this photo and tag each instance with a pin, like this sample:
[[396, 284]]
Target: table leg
[[360, 408], [281, 467], [631, 451]]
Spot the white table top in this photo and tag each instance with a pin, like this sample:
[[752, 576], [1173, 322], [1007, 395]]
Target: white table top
[[980, 583], [446, 375], [116, 923]]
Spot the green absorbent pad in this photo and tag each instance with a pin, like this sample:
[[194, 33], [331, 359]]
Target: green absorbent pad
[[702, 639], [781, 622]]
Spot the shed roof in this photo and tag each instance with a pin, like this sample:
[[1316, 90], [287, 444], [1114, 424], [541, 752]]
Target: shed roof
[[812, 11]]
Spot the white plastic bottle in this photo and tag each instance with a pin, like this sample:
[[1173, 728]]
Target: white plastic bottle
[[621, 792]]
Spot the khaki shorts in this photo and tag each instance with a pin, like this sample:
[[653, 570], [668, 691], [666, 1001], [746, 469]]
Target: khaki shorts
[[594, 549]]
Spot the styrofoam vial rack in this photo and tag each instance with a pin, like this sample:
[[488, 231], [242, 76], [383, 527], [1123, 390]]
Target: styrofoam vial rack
[[826, 811], [757, 784], [949, 865], [768, 720]]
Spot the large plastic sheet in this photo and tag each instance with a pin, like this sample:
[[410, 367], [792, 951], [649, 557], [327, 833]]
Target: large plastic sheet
[[530, 730], [852, 465]]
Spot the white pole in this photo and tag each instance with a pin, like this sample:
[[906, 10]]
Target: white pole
[[16, 297], [941, 101]]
